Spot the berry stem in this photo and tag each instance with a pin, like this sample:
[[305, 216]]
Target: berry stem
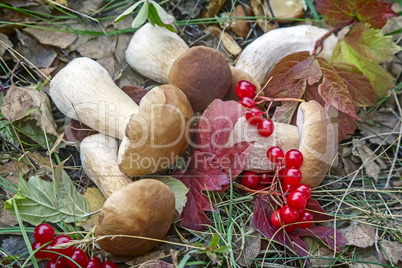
[[280, 99]]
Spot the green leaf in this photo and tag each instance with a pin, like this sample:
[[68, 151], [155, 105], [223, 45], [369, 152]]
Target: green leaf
[[141, 16], [154, 18], [165, 17], [347, 52], [38, 200], [179, 189], [128, 11], [214, 241]]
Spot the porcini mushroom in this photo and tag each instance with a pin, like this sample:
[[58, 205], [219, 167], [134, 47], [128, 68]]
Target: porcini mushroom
[[143, 208], [99, 161], [314, 136], [155, 132], [203, 74], [258, 58], [152, 51]]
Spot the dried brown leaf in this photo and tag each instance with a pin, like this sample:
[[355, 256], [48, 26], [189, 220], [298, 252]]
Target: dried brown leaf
[[358, 234], [29, 103], [228, 42], [373, 163], [391, 251], [52, 37], [95, 201], [7, 42]]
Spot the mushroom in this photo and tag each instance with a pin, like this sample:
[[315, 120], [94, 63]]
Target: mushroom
[[99, 161], [260, 57], [203, 74], [144, 208], [153, 135], [152, 51], [285, 10], [314, 136]]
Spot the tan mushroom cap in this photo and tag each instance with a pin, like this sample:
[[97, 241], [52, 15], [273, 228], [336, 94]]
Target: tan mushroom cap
[[203, 74], [317, 142], [158, 134], [143, 208]]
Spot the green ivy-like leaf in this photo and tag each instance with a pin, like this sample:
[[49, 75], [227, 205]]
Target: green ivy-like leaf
[[179, 189], [141, 16], [154, 18], [128, 11], [162, 14], [38, 200]]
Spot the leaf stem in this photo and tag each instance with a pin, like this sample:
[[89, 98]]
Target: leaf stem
[[280, 99], [319, 44]]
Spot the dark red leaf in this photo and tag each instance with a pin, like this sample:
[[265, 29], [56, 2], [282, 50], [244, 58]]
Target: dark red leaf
[[343, 123], [340, 13], [210, 162], [135, 93], [75, 132], [359, 86], [327, 234], [374, 12], [337, 13], [315, 208], [262, 222]]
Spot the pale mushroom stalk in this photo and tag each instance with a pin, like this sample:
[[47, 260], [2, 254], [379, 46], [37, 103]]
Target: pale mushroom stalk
[[99, 161]]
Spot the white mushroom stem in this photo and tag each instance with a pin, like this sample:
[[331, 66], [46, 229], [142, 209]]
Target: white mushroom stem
[[99, 161], [152, 51], [83, 90], [260, 57]]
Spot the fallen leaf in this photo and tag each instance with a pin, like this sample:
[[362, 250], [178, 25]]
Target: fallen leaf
[[97, 48], [95, 201], [53, 37], [372, 163], [228, 42], [213, 8], [359, 234], [75, 132], [321, 255], [180, 191], [391, 251], [260, 9], [149, 259], [9, 171], [6, 219], [246, 251], [367, 258], [135, 93], [7, 43], [29, 103], [211, 164], [338, 13], [155, 264]]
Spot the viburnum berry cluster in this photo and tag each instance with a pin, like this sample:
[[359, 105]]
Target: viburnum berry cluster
[[247, 93], [44, 234], [287, 176]]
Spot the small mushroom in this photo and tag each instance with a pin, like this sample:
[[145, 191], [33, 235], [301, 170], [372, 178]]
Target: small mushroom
[[314, 136], [99, 161], [152, 51], [153, 135], [144, 208], [260, 57], [203, 74]]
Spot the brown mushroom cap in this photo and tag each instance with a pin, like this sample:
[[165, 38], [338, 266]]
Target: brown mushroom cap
[[317, 142], [157, 134], [203, 74], [143, 208]]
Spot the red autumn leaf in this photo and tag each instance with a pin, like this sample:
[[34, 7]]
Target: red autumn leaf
[[75, 132], [344, 123], [315, 208], [211, 163], [135, 93], [359, 86], [330, 236], [340, 13], [300, 72]]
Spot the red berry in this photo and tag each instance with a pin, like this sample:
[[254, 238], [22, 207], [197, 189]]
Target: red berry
[[94, 262], [247, 102], [250, 180], [245, 89], [79, 256], [43, 233], [58, 240], [293, 158], [276, 218], [265, 127], [289, 214], [297, 200], [266, 178], [109, 264], [292, 176], [286, 187], [305, 220], [40, 255], [304, 189], [274, 154], [56, 263], [254, 116]]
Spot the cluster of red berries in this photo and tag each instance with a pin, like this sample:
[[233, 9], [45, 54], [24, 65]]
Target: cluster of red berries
[[254, 116], [44, 233], [295, 195]]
